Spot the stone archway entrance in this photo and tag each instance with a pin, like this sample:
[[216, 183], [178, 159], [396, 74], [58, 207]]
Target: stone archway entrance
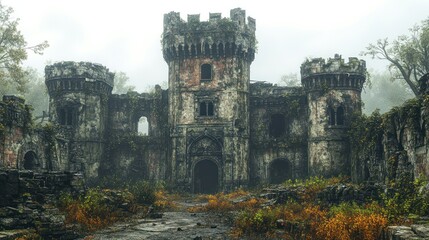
[[206, 177], [30, 160], [280, 171]]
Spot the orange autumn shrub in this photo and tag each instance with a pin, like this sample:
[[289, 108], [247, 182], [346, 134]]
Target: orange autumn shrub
[[334, 228], [164, 201], [368, 226], [93, 210]]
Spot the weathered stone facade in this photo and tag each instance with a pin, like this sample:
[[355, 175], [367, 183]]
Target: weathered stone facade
[[211, 130]]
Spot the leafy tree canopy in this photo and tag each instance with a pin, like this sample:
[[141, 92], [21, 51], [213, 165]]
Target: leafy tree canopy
[[13, 51], [121, 81], [290, 80], [408, 54]]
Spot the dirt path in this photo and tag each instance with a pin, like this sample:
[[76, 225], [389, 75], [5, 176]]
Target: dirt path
[[178, 224]]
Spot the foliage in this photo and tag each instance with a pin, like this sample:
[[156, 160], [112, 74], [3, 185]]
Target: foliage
[[308, 221], [312, 186], [13, 51], [406, 197], [384, 93], [222, 203], [143, 191], [30, 236], [95, 208], [290, 80], [121, 81], [164, 201], [365, 131], [408, 55]]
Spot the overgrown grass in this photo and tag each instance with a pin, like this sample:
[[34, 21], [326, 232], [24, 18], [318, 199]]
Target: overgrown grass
[[306, 219], [222, 203], [98, 208]]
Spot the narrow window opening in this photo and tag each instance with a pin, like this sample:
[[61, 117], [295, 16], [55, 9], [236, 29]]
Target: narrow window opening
[[206, 72], [277, 125], [203, 109], [340, 116], [62, 117], [209, 109], [143, 126], [207, 49], [66, 116], [331, 114]]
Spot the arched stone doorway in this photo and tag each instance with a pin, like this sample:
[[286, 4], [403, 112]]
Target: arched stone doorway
[[30, 160], [280, 171], [206, 177]]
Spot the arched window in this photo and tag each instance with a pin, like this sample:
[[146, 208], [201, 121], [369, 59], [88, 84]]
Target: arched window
[[336, 116], [143, 126], [66, 116], [331, 115], [30, 160], [277, 125], [206, 72], [340, 115]]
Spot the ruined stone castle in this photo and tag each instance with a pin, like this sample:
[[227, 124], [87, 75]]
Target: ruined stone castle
[[213, 128]]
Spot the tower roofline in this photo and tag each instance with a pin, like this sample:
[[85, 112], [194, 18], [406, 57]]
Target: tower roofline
[[217, 37], [76, 70]]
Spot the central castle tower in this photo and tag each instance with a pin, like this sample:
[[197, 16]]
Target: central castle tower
[[209, 77]]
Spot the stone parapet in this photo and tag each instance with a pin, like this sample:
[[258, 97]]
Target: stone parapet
[[335, 73], [217, 37]]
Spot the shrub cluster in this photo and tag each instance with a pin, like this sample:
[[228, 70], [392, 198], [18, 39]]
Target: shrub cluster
[[307, 219], [96, 208]]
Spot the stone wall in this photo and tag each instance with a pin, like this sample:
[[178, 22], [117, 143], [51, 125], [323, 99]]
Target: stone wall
[[27, 201], [278, 130]]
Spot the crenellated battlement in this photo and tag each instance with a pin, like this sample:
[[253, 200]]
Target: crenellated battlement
[[318, 73], [77, 76], [217, 37]]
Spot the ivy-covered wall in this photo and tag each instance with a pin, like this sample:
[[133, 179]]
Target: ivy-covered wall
[[392, 146]]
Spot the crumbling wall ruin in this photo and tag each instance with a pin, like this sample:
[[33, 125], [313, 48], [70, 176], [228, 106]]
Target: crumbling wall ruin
[[393, 146]]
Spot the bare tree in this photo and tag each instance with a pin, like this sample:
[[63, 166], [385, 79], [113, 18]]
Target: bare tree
[[408, 55]]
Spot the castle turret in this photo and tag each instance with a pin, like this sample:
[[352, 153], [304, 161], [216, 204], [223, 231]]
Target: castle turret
[[334, 93], [79, 94], [209, 76]]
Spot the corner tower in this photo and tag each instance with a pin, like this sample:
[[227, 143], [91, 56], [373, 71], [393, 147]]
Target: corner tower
[[333, 90], [209, 75], [79, 93]]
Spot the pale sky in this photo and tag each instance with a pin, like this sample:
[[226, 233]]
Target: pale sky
[[125, 35]]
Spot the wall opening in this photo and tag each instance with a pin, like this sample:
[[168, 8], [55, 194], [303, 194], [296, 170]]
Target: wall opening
[[30, 160], [206, 72], [336, 116], [331, 115], [206, 109], [280, 171], [340, 115], [66, 116], [143, 126], [277, 125], [206, 177]]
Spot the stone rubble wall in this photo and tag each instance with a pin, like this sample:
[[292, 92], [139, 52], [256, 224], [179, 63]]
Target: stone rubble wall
[[27, 201]]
